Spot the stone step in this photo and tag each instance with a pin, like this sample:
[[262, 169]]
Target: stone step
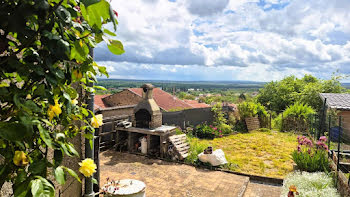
[[255, 189]]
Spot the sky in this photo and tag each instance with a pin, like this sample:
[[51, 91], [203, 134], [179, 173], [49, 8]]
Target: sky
[[224, 40]]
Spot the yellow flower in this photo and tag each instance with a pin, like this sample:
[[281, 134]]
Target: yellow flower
[[77, 74], [74, 102], [87, 167], [54, 110], [29, 96], [292, 188], [97, 121], [20, 158]]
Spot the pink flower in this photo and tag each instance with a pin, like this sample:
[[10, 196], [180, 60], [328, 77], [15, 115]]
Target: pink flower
[[215, 128], [220, 131], [309, 151], [323, 138], [220, 135], [299, 148], [211, 126]]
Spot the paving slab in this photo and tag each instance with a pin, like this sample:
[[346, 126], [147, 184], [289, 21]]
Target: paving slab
[[165, 179], [262, 190]]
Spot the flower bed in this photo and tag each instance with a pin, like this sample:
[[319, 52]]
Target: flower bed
[[310, 156], [309, 184]]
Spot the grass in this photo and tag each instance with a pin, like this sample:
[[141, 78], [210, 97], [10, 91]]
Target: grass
[[257, 153]]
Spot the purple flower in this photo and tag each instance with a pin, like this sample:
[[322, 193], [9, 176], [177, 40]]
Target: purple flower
[[220, 135], [309, 151], [299, 148]]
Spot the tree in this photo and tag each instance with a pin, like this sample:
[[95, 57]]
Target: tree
[[45, 70], [242, 97], [278, 95]]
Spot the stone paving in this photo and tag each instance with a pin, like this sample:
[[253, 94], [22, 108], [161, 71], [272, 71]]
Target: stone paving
[[165, 179], [262, 190]]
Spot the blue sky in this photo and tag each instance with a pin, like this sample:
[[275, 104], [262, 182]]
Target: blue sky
[[255, 40]]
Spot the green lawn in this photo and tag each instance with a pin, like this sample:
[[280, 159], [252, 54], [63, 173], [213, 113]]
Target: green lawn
[[257, 153]]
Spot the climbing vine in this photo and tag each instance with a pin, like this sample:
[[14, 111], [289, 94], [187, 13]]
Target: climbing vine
[[46, 67]]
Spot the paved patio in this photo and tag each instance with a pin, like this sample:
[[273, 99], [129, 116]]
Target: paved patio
[[172, 179]]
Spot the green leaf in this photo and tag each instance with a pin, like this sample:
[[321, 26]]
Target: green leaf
[[116, 47], [72, 150], [38, 167], [94, 181], [21, 190], [58, 157], [89, 2], [37, 188], [72, 173], [14, 131], [100, 87], [45, 135], [48, 189], [64, 15], [109, 32], [32, 106], [60, 175]]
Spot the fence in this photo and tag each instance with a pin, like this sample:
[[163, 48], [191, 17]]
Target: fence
[[188, 117], [336, 129]]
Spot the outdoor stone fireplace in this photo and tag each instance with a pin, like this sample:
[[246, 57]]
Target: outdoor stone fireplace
[[147, 123], [147, 114]]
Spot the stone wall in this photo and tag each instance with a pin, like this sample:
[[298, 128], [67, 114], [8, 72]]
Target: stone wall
[[117, 111], [122, 98]]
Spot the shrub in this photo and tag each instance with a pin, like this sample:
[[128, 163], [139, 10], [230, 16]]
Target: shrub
[[220, 121], [310, 184], [196, 147], [311, 157], [298, 110], [210, 132], [251, 109], [204, 131]]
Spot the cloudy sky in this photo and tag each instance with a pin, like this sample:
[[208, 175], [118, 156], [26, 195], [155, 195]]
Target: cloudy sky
[[256, 40]]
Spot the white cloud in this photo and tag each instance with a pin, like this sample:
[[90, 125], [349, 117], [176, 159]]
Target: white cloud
[[268, 39]]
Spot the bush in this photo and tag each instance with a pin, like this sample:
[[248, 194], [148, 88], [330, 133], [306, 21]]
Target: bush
[[251, 109], [220, 121], [205, 131], [298, 110], [196, 147], [294, 117], [310, 184], [311, 157]]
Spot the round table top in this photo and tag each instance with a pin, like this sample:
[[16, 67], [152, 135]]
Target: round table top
[[124, 187]]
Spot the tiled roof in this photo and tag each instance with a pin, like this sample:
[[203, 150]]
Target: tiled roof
[[337, 100], [196, 104], [98, 102], [164, 100]]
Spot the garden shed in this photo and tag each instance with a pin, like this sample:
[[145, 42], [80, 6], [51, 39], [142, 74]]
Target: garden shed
[[341, 103]]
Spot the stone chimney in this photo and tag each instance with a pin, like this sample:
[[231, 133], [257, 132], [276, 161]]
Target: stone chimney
[[147, 113]]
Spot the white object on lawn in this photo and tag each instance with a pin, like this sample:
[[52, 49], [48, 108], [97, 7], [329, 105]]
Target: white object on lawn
[[215, 159], [126, 188]]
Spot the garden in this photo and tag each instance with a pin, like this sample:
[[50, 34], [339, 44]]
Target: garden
[[286, 146]]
